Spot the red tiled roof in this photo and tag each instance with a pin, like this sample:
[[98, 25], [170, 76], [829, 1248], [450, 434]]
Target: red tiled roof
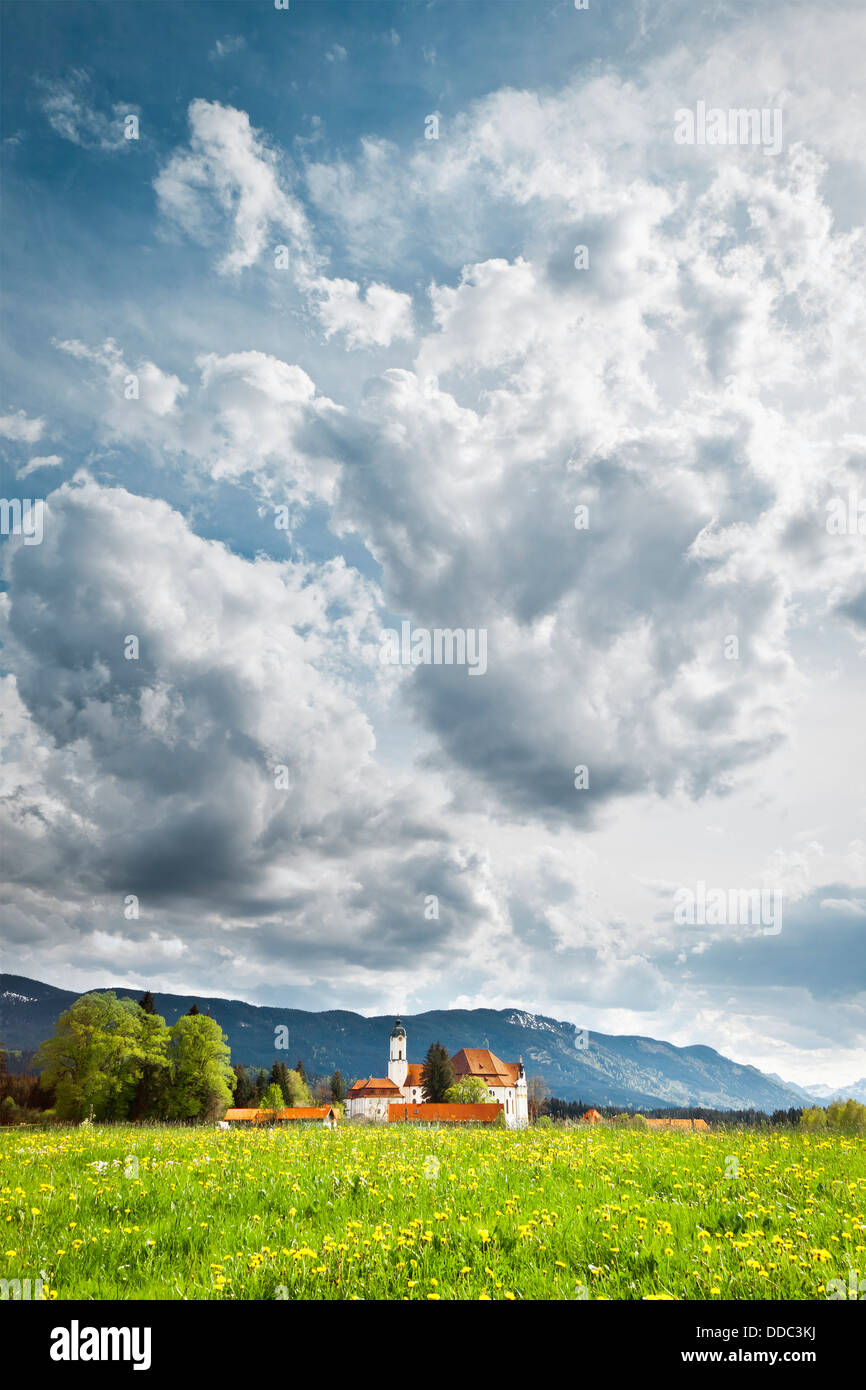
[[297, 1112], [592, 1117], [305, 1112], [481, 1062], [374, 1086], [678, 1124], [450, 1114], [413, 1074]]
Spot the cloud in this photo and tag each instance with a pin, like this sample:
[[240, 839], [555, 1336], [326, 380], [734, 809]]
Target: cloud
[[229, 168], [21, 428], [377, 319], [69, 106], [225, 776], [249, 416], [46, 461], [223, 48]]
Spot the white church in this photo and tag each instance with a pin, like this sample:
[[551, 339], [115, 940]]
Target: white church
[[505, 1082]]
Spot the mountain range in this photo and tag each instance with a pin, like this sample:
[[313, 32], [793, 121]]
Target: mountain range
[[598, 1068]]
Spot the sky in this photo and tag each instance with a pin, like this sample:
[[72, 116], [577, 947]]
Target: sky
[[324, 320]]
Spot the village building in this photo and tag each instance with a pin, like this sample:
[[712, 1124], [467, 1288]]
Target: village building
[[700, 1126], [292, 1114], [505, 1083], [431, 1113]]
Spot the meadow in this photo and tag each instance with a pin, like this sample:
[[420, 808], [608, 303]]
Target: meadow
[[398, 1213]]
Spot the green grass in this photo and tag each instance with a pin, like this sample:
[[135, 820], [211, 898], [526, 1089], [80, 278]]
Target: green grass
[[394, 1212]]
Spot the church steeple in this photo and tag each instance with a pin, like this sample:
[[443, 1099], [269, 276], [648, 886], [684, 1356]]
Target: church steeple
[[397, 1063]]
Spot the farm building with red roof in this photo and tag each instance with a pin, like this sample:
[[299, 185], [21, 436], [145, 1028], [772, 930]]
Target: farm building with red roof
[[311, 1114]]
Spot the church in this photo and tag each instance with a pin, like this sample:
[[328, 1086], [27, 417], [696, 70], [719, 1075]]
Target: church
[[505, 1082]]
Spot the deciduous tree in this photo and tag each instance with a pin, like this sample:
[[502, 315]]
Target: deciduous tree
[[469, 1090], [201, 1080]]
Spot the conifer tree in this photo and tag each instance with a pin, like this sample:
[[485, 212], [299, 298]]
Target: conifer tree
[[437, 1073]]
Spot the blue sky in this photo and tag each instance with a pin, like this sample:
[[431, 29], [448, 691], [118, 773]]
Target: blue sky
[[427, 383]]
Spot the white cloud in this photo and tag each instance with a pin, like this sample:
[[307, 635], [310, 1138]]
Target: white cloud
[[223, 48], [71, 110], [228, 164], [377, 319], [44, 461], [21, 427]]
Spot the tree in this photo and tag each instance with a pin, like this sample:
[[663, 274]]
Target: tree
[[201, 1080], [338, 1087], [537, 1090], [301, 1072], [194, 1011], [146, 1002], [814, 1118], [297, 1090], [437, 1073], [848, 1116], [273, 1098], [147, 1099], [260, 1085], [469, 1090], [96, 1056], [246, 1096]]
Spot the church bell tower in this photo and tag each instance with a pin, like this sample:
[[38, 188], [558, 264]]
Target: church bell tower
[[397, 1064]]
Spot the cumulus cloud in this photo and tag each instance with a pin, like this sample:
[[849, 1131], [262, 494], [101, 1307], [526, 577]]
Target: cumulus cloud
[[377, 319], [225, 773], [249, 416], [231, 169]]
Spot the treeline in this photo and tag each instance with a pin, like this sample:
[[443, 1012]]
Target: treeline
[[748, 1118], [256, 1088], [845, 1117], [18, 1061], [21, 1092]]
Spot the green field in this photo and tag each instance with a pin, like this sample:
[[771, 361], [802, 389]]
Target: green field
[[394, 1212]]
